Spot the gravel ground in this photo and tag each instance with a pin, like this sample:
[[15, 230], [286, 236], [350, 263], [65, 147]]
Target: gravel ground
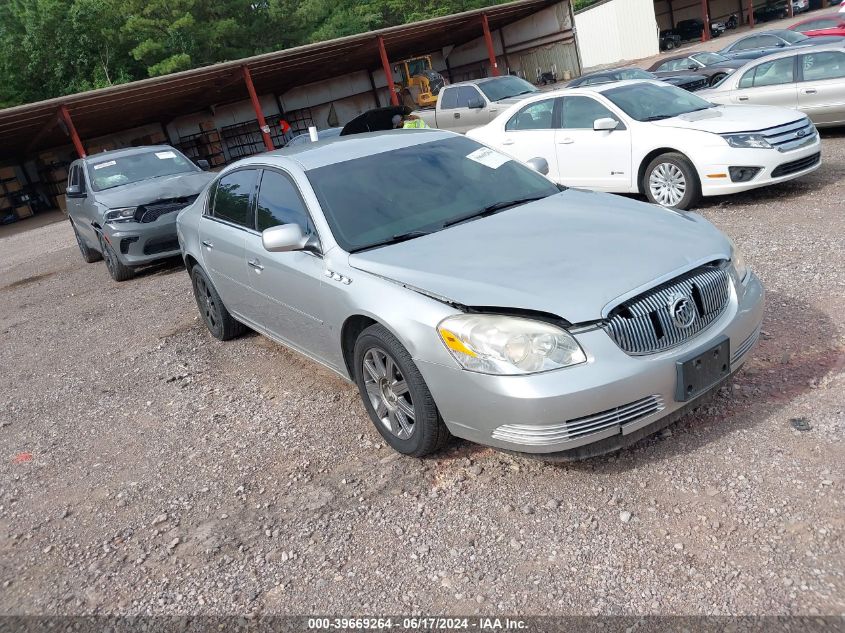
[[149, 469]]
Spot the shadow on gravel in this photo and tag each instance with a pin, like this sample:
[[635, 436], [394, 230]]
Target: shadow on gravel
[[797, 350], [164, 267]]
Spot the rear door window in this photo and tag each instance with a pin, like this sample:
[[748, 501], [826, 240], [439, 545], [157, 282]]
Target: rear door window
[[450, 99], [232, 201], [747, 44], [823, 65], [536, 116]]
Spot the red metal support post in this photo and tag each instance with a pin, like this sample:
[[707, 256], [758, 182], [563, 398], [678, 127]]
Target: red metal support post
[[71, 129], [705, 32], [789, 10], [751, 14], [491, 53], [388, 73], [256, 105]]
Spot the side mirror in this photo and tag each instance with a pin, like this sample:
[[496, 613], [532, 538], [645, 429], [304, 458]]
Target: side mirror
[[540, 165], [476, 104], [74, 191], [605, 124], [284, 238], [203, 164], [692, 67], [781, 44]]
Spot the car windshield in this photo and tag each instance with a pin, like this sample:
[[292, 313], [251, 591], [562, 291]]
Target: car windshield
[[709, 59], [792, 37], [504, 87], [403, 193], [108, 172], [650, 102]]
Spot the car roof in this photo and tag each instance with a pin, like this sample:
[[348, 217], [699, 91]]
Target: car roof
[[795, 50], [338, 149], [476, 82], [128, 151]]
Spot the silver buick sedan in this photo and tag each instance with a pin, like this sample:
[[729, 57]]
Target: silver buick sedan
[[466, 294]]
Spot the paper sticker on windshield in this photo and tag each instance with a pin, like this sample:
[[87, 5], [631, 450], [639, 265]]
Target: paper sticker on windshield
[[108, 163], [488, 157], [163, 155]]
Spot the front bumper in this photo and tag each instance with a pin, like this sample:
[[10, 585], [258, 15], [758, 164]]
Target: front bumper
[[136, 243], [611, 396], [713, 161]]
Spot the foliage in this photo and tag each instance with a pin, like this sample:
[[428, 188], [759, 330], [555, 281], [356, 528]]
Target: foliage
[[50, 48]]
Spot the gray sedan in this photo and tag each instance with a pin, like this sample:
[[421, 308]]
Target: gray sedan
[[123, 205], [470, 295]]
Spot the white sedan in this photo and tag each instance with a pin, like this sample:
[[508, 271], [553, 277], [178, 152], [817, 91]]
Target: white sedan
[[662, 141]]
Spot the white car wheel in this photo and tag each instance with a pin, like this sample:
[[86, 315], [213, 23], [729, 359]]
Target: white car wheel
[[667, 184]]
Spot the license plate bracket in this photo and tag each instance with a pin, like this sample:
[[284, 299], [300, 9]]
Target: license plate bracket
[[702, 370]]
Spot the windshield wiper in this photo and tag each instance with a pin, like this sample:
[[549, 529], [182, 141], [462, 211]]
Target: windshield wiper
[[491, 209], [658, 117], [399, 237]]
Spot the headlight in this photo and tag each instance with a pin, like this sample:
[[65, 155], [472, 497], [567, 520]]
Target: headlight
[[738, 262], [747, 140], [503, 345], [124, 214]]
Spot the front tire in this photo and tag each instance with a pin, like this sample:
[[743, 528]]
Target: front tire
[[395, 395], [671, 180], [216, 317], [717, 78], [116, 269], [89, 255]]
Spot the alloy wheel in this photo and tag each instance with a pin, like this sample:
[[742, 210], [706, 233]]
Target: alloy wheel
[[667, 184], [388, 393], [207, 304]]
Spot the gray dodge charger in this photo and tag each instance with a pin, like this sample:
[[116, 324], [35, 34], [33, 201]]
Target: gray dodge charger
[[466, 294], [123, 205]]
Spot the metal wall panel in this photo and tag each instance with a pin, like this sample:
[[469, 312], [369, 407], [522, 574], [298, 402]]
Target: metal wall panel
[[615, 31]]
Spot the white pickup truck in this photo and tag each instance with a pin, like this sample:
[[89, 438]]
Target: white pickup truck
[[470, 104]]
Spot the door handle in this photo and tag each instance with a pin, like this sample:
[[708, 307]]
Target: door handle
[[742, 98], [508, 142], [566, 141], [256, 264], [457, 115], [810, 91], [207, 244]]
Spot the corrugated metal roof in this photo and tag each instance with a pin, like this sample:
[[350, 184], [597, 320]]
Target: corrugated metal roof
[[28, 128]]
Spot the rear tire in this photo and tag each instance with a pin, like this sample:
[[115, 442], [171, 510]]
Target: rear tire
[[222, 325], [671, 180], [89, 255], [116, 269], [395, 395]]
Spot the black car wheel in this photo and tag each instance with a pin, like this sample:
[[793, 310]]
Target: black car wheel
[[717, 78], [217, 319], [88, 254], [116, 269]]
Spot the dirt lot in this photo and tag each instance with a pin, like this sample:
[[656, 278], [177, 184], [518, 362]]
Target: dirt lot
[[147, 468]]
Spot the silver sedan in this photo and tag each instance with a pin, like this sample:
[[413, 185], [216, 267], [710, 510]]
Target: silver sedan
[[466, 294], [810, 80]]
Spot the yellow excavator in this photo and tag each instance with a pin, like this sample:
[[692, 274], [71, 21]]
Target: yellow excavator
[[420, 84]]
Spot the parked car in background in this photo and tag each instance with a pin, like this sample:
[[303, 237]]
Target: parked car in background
[[800, 6], [691, 29], [123, 204], [825, 25], [687, 82], [305, 138], [712, 66], [769, 12], [810, 80], [767, 42], [468, 104], [669, 40], [658, 140], [492, 306]]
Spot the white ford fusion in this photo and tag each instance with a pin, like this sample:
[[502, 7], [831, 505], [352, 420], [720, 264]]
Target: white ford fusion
[[658, 140]]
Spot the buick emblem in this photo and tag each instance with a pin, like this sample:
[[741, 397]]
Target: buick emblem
[[682, 311]]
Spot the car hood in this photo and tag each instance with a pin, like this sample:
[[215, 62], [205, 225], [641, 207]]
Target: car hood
[[726, 66], [732, 118], [164, 188], [569, 255], [514, 99], [824, 39], [679, 80]]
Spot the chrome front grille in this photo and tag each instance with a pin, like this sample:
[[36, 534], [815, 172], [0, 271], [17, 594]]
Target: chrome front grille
[[795, 135], [646, 324], [610, 422]]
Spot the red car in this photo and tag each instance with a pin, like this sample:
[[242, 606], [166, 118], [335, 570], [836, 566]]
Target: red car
[[830, 24]]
